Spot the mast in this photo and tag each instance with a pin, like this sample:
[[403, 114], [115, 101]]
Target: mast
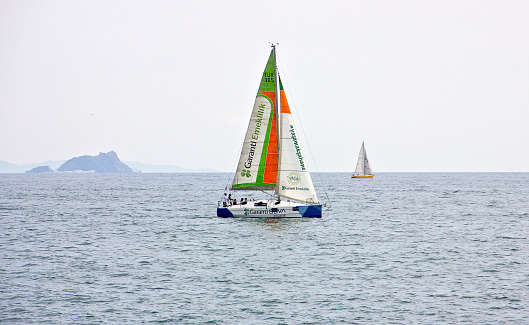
[[278, 117]]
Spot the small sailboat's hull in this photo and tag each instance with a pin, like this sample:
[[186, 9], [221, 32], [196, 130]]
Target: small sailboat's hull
[[362, 176], [270, 209]]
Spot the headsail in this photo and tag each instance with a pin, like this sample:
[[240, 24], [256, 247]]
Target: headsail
[[257, 167], [294, 177]]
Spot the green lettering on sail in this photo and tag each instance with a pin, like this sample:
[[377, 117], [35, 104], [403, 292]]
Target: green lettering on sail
[[298, 149]]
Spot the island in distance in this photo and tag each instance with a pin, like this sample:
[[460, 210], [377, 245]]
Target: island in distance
[[102, 163], [40, 169]]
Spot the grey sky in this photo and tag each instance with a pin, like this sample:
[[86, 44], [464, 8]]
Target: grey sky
[[428, 85]]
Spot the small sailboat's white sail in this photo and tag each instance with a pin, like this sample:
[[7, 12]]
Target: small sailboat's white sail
[[271, 157], [363, 169]]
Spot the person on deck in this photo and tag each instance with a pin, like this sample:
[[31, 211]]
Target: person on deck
[[224, 200]]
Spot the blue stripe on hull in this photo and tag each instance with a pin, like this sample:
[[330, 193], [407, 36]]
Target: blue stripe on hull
[[224, 213], [310, 211]]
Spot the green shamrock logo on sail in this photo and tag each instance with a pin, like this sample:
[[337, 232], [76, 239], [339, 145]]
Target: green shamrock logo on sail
[[246, 173]]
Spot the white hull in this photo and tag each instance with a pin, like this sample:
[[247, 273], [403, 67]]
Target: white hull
[[270, 209]]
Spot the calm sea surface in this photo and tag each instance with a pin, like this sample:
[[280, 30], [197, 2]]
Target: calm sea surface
[[403, 248]]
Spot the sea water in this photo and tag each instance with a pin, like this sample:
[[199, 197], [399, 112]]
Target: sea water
[[402, 248]]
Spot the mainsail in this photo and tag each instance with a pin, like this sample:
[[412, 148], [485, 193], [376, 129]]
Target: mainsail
[[257, 167], [261, 166]]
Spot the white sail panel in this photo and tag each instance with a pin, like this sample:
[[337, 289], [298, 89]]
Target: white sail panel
[[294, 178], [367, 167], [252, 153]]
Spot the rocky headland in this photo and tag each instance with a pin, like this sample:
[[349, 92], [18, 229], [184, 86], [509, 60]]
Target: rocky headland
[[102, 163]]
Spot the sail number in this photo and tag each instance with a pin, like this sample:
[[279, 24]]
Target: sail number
[[268, 77]]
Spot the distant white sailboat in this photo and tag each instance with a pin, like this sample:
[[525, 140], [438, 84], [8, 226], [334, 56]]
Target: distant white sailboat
[[271, 158], [363, 169]]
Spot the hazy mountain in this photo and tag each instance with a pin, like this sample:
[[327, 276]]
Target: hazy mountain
[[6, 167]]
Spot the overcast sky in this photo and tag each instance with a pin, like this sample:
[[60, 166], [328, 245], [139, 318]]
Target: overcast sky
[[428, 85]]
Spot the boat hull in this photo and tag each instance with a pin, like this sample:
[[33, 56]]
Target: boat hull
[[362, 176], [269, 209]]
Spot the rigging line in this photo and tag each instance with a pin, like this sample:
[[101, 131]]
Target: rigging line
[[231, 173], [269, 194], [303, 131]]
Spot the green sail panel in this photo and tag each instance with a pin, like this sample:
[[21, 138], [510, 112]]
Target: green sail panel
[[268, 79]]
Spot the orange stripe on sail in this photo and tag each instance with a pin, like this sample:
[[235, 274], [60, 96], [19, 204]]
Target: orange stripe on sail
[[270, 172], [284, 104]]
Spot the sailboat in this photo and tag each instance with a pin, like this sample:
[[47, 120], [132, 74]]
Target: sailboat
[[363, 169], [271, 159]]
